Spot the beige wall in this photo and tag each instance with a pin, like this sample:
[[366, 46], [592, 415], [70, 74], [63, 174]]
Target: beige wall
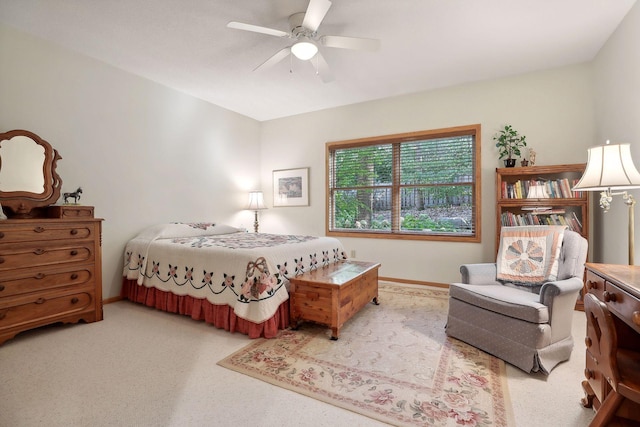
[[554, 109], [617, 100], [143, 153]]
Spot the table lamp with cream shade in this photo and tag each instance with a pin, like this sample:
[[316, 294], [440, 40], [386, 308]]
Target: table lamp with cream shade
[[610, 170], [256, 203]]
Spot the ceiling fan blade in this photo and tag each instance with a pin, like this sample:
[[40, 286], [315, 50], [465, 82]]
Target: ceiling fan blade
[[257, 29], [322, 68], [355, 43], [315, 13], [277, 57]]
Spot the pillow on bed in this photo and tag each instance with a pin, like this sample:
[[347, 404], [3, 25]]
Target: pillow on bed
[[185, 229], [529, 255]]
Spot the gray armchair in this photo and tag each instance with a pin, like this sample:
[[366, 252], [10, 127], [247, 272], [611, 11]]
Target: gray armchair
[[527, 327]]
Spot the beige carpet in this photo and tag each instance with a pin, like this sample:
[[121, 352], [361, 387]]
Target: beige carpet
[[393, 363]]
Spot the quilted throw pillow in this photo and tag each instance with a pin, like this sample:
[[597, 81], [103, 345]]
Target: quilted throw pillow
[[529, 255]]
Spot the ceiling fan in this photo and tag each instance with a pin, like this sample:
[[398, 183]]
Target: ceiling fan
[[304, 33]]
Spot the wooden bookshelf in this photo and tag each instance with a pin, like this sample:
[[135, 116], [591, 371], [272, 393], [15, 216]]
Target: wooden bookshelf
[[553, 203], [541, 195]]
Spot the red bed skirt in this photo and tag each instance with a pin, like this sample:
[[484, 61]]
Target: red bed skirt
[[221, 316]]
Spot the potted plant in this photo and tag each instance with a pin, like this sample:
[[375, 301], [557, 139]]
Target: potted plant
[[509, 142]]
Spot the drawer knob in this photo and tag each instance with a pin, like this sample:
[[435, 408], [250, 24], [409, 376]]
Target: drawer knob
[[39, 229], [588, 374], [1, 288], [39, 251], [1, 234], [74, 252], [74, 276], [3, 315], [1, 260], [74, 300], [39, 276], [592, 285], [587, 342], [40, 301], [74, 231], [635, 317], [609, 296]]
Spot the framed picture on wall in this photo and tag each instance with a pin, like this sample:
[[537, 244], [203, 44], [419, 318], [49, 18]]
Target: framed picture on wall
[[291, 187]]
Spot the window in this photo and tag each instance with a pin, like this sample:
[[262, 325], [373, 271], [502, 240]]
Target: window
[[418, 185]]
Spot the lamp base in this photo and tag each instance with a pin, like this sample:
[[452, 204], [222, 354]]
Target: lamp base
[[631, 202], [255, 222]]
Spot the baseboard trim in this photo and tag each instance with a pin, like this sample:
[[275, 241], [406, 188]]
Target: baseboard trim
[[110, 300], [414, 282]]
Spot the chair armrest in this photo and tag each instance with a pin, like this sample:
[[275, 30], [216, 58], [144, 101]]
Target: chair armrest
[[560, 298], [479, 274], [551, 290]]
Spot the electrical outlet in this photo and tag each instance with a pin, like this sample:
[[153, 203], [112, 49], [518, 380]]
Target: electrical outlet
[[353, 253]]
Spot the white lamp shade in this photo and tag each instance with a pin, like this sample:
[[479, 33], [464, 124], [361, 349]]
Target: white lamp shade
[[256, 201], [304, 49], [609, 167]]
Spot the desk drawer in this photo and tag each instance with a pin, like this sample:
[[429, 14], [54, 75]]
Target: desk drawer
[[595, 378], [624, 304], [595, 285]]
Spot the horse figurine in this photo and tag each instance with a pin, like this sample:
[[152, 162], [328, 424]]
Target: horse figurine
[[75, 196]]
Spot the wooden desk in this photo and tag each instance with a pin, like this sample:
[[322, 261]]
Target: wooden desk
[[331, 295], [618, 286]]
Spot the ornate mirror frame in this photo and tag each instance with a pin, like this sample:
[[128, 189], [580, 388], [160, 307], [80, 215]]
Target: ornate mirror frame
[[22, 203]]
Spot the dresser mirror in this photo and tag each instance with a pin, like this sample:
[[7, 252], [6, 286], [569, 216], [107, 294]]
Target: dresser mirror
[[28, 177]]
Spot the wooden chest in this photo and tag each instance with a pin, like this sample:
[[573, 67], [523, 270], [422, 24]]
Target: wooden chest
[[331, 295], [50, 271]]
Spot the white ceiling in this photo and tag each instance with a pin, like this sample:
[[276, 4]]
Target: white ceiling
[[425, 44]]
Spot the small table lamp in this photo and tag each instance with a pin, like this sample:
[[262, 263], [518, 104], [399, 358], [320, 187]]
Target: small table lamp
[[611, 171], [256, 203]]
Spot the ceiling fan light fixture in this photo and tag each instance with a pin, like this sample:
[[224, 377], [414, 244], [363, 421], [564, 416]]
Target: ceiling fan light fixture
[[304, 49]]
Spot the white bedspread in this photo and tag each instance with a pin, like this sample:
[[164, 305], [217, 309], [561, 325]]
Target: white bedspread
[[247, 271]]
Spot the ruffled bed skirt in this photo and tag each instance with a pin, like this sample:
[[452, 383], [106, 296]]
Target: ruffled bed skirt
[[221, 316]]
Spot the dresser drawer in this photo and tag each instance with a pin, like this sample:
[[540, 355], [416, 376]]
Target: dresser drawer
[[15, 312], [46, 231], [29, 256], [41, 279], [595, 285], [70, 211]]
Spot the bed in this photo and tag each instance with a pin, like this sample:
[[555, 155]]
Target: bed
[[225, 276]]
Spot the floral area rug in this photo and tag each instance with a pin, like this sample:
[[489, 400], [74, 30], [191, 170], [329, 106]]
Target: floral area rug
[[393, 362]]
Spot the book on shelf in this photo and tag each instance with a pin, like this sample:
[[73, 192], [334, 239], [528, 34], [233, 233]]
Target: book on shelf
[[539, 189], [545, 210], [559, 217]]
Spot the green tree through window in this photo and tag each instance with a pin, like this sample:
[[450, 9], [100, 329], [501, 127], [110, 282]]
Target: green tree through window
[[419, 185]]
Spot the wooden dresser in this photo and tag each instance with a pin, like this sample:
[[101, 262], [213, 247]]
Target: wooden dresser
[[618, 286], [50, 271]]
